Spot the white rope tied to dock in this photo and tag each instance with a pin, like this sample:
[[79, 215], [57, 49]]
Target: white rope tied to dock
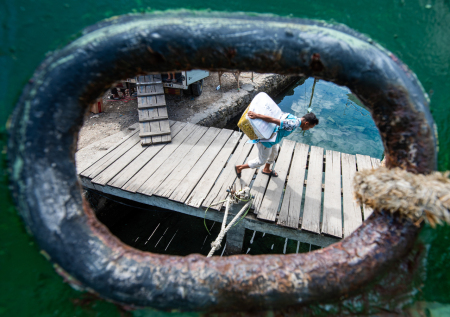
[[225, 228], [414, 196]]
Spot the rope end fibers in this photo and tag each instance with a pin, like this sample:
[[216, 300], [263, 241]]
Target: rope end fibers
[[414, 196]]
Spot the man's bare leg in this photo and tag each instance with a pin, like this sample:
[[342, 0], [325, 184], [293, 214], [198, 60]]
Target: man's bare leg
[[266, 168], [239, 168]]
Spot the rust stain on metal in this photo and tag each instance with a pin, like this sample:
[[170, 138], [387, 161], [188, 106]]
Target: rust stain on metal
[[316, 64], [230, 52]]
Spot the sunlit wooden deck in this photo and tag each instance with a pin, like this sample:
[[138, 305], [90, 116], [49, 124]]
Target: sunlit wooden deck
[[310, 201]]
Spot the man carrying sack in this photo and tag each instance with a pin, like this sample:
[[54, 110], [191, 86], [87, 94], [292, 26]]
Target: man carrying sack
[[268, 148]]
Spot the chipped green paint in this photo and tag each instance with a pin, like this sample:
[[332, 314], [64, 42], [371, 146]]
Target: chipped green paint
[[416, 31], [18, 164], [60, 62]]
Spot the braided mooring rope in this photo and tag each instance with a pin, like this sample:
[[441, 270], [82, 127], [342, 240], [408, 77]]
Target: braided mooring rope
[[414, 196]]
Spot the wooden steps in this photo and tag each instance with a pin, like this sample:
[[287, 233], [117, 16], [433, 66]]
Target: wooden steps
[[153, 120]]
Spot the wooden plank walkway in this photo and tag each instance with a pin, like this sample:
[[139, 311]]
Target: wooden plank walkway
[[311, 199], [153, 118]]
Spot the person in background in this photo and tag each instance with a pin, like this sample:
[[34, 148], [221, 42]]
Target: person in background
[[268, 149], [115, 94], [171, 77]]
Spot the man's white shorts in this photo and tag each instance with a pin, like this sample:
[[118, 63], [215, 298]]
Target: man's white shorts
[[265, 155]]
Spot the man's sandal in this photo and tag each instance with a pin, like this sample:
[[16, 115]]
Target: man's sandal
[[272, 173]]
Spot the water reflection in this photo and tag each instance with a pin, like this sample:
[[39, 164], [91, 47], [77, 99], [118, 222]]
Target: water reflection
[[345, 125]]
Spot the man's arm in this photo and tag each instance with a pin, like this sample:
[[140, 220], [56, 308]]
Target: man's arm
[[253, 115]]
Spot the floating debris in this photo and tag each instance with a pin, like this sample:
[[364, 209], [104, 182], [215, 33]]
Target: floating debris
[[224, 247], [253, 237], [204, 241], [152, 233], [285, 245], [170, 241], [161, 237], [207, 235]]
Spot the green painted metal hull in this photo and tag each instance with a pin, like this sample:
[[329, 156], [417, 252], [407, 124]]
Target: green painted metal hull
[[417, 33]]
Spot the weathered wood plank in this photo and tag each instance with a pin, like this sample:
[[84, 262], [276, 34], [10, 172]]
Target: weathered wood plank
[[162, 112], [116, 167], [292, 201], [313, 193], [259, 185], [150, 83], [203, 187], [171, 162], [149, 79], [86, 162], [111, 157], [185, 187], [332, 212], [240, 183], [164, 126], [154, 127], [352, 210], [147, 134], [85, 182], [151, 101], [147, 127], [364, 163], [375, 162], [247, 174], [228, 176], [150, 167], [150, 119], [149, 90], [185, 165], [150, 93], [269, 207], [149, 152]]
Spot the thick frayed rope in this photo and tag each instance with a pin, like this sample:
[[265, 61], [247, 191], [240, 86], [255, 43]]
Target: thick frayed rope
[[414, 196]]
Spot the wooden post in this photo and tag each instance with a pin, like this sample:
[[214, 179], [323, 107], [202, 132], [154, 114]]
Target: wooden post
[[235, 239], [235, 236], [312, 93]]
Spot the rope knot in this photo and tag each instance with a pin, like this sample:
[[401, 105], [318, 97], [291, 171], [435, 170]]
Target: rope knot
[[414, 196]]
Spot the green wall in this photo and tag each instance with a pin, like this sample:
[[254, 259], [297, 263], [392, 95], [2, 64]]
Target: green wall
[[417, 31]]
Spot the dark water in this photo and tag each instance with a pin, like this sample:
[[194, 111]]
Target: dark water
[[157, 230], [166, 232], [345, 126]]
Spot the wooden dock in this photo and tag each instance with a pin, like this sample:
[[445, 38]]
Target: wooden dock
[[310, 201]]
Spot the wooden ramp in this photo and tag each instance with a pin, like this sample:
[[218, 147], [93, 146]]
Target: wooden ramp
[[311, 200], [153, 120]]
